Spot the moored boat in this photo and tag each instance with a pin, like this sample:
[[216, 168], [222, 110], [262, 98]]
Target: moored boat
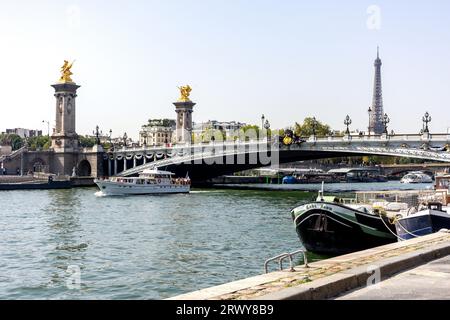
[[416, 177], [432, 219], [148, 182], [329, 226]]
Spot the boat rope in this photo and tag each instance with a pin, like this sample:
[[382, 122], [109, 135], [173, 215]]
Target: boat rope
[[387, 227], [410, 233]]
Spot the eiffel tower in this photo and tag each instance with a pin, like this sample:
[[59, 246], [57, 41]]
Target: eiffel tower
[[376, 110]]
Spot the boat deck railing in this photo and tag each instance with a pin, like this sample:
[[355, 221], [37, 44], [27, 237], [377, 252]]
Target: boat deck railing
[[411, 197], [281, 257]]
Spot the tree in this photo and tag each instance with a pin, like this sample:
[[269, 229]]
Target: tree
[[160, 122], [39, 142], [249, 132], [307, 128], [13, 140], [210, 134], [86, 142]]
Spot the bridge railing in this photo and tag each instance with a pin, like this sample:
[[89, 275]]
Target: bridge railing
[[234, 146], [368, 138], [193, 146]]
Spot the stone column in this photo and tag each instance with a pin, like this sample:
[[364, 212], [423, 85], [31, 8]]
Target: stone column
[[64, 139], [184, 111]]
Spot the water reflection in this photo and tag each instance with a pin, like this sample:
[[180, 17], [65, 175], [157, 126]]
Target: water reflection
[[145, 247], [64, 235]]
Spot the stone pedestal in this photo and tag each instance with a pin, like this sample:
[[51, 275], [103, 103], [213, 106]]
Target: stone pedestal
[[64, 137], [184, 111]]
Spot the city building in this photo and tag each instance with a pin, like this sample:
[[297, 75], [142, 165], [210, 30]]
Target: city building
[[157, 132], [376, 112], [21, 132]]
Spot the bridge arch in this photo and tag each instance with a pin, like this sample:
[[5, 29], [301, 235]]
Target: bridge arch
[[38, 165], [206, 161], [84, 168]]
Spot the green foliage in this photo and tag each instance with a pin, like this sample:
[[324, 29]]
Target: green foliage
[[249, 132], [86, 141], [41, 143], [13, 140], [306, 129], [106, 145], [161, 122], [394, 160], [211, 134]]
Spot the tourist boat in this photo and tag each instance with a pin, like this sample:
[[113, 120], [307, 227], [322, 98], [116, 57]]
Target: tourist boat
[[432, 219], [416, 177], [148, 182], [329, 226]]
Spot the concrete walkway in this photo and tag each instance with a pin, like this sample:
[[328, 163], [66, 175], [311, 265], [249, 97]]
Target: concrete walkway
[[329, 278], [429, 281]]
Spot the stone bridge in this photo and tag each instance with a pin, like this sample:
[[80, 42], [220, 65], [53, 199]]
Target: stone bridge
[[204, 161]]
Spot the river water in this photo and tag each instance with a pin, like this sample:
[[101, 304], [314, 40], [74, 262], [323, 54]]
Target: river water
[[72, 244]]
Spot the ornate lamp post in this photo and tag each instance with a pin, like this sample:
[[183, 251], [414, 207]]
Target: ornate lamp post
[[125, 137], [370, 112], [386, 120], [48, 127], [267, 127], [21, 156], [262, 123], [144, 135], [347, 122], [426, 120], [97, 134], [110, 137]]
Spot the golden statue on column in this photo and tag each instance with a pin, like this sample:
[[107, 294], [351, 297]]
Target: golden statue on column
[[185, 92], [66, 73]]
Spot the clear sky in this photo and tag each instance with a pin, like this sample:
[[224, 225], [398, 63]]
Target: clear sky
[[287, 59]]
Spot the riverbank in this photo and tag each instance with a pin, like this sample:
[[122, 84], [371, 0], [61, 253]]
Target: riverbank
[[330, 278], [30, 182], [329, 187]]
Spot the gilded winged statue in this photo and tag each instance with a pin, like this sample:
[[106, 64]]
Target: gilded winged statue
[[185, 92], [65, 72]]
